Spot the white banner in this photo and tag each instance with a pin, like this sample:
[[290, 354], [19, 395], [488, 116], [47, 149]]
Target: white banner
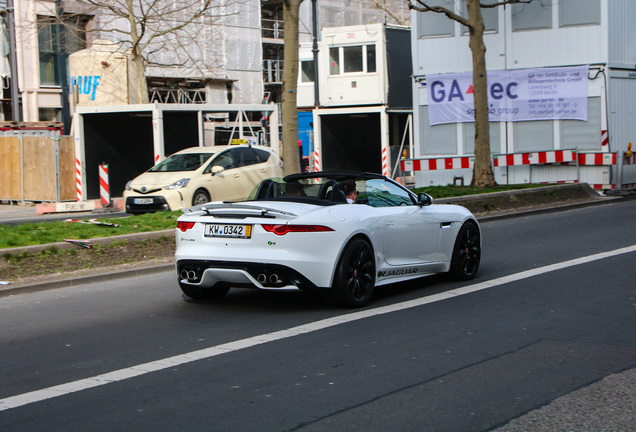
[[513, 95]]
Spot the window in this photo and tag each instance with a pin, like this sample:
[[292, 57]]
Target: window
[[50, 114], [55, 40], [307, 71], [438, 139], [533, 135], [583, 135], [334, 61], [380, 193], [352, 59], [224, 160], [469, 137], [579, 12], [48, 52], [371, 67], [261, 155], [532, 16], [435, 24], [490, 16], [182, 162]]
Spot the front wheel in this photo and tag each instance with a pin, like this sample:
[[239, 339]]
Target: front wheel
[[202, 293], [201, 196], [355, 275], [466, 252]]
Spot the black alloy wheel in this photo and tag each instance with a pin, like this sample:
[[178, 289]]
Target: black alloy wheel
[[466, 253], [355, 275]]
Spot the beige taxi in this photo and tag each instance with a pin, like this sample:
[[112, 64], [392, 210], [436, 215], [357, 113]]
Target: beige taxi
[[198, 175]]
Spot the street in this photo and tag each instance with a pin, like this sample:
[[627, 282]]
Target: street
[[552, 310]]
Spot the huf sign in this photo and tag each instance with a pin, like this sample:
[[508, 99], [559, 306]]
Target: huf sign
[[513, 95]]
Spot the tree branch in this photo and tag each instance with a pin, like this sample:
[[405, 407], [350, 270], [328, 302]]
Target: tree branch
[[425, 7]]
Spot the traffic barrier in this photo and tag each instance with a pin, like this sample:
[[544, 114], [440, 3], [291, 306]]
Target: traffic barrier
[[316, 161], [78, 178], [534, 158], [552, 157], [385, 168], [433, 164], [104, 188], [604, 140], [588, 159]]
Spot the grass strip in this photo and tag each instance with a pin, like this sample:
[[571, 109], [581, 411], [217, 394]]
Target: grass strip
[[29, 233]]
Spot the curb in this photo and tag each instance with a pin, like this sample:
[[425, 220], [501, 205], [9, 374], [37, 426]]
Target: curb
[[8, 290], [97, 240]]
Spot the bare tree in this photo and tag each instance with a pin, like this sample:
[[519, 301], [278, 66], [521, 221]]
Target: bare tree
[[482, 173], [391, 9], [145, 27], [291, 154]]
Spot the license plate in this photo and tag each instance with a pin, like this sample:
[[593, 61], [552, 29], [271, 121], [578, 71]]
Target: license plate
[[143, 200], [228, 231]]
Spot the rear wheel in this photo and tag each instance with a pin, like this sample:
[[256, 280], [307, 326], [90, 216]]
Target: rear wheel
[[355, 275], [201, 196], [203, 293], [466, 253]]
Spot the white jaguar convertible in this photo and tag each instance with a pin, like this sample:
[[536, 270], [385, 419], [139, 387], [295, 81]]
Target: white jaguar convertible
[[303, 233]]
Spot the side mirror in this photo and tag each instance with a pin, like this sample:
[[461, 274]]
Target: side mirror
[[424, 199], [217, 169]]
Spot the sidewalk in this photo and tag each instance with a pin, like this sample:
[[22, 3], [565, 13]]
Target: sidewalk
[[30, 212]]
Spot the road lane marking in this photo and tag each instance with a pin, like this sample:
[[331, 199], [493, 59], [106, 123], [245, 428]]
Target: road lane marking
[[170, 362]]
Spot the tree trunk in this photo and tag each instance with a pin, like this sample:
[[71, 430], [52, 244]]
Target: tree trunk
[[140, 75], [482, 173], [291, 154], [141, 86]]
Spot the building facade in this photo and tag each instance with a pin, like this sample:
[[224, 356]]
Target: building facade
[[359, 119], [598, 34]]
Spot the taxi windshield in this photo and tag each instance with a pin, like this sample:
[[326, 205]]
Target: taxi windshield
[[182, 162]]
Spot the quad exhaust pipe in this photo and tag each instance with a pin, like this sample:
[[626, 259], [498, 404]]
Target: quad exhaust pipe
[[273, 278], [189, 275], [266, 279]]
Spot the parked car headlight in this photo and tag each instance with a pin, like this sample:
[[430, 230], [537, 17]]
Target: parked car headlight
[[128, 187], [178, 184]]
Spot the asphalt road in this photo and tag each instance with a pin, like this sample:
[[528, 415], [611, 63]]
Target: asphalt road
[[552, 311]]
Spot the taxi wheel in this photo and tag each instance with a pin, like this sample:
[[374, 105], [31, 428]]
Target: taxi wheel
[[355, 276], [466, 253], [203, 293], [201, 196]]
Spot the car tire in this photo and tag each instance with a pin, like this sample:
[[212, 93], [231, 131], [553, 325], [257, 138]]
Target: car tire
[[201, 196], [354, 280], [466, 252], [203, 293]]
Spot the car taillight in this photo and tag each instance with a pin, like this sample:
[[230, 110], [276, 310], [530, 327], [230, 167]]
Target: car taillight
[[284, 229], [184, 226]]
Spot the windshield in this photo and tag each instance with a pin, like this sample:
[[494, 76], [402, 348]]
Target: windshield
[[182, 162], [327, 191]]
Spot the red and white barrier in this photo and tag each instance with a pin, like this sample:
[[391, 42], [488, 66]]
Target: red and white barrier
[[588, 159], [604, 140], [78, 179], [515, 159], [316, 161], [433, 164], [385, 163], [534, 158], [104, 188], [563, 157]]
